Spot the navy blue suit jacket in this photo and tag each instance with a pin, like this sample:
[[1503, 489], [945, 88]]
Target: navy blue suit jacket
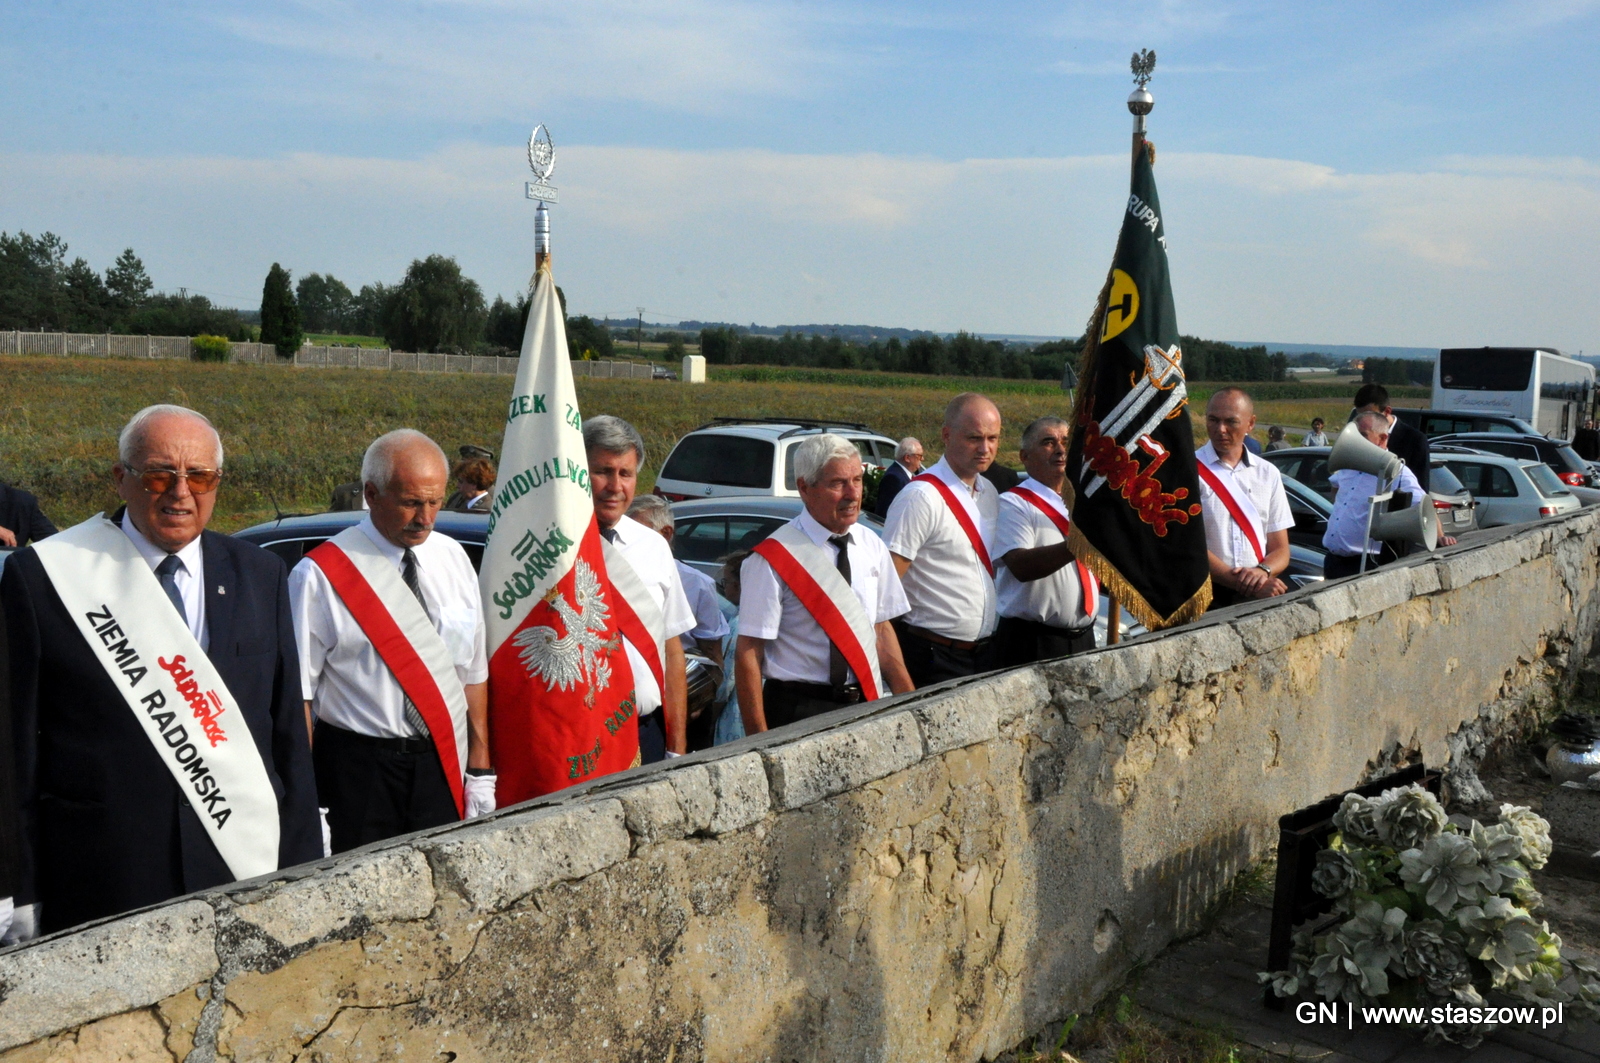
[[894, 478], [104, 827]]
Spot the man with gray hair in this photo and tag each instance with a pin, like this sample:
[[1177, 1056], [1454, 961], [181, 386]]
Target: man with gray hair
[[1047, 598], [642, 568], [816, 601], [390, 625], [907, 463], [160, 740], [1346, 537]]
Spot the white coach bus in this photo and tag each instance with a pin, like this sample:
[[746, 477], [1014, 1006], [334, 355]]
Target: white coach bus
[[1550, 391]]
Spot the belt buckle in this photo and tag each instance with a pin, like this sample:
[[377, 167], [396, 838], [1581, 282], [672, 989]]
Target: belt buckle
[[847, 695]]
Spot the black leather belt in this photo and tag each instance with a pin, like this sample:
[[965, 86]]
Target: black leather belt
[[845, 695], [409, 744], [944, 640]]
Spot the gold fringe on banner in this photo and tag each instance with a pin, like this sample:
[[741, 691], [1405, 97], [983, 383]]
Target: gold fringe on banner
[[1122, 592]]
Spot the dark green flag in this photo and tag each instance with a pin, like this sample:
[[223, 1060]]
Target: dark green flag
[[1131, 483]]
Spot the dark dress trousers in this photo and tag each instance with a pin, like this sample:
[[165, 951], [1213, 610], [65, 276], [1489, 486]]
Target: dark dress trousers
[[894, 478], [104, 827], [19, 511]]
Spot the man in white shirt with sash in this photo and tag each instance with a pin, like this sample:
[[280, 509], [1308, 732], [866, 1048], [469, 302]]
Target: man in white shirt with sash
[[940, 529], [641, 567], [389, 621], [160, 741], [1048, 599], [815, 602], [1243, 505]]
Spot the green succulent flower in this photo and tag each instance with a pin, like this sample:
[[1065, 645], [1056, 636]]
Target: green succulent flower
[[1357, 820], [1500, 855], [1437, 955], [1446, 872], [1504, 937], [1336, 875], [1408, 816], [1533, 829]]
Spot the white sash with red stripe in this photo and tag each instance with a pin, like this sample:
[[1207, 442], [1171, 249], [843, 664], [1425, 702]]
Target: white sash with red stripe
[[1090, 586], [638, 617], [1240, 509], [172, 688], [812, 576], [372, 588]]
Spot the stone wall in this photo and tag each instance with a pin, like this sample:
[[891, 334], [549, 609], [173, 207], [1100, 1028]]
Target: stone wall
[[931, 878]]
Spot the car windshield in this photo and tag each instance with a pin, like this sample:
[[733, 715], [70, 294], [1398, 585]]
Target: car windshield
[[1545, 479], [1441, 481], [724, 460]]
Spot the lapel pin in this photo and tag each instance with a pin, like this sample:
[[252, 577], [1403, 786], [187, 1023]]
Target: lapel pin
[[221, 589]]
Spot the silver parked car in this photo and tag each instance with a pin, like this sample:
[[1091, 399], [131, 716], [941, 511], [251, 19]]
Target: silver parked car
[[1510, 490], [754, 456]]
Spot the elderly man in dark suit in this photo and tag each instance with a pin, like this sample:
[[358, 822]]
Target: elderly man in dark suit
[[161, 743], [907, 463]]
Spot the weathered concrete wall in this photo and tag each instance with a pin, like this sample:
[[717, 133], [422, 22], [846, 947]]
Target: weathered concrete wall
[[931, 879]]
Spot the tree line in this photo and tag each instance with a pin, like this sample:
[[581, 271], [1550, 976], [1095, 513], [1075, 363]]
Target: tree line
[[967, 355], [434, 307], [41, 291]]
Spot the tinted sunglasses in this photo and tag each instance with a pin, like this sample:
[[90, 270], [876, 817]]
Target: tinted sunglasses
[[160, 481]]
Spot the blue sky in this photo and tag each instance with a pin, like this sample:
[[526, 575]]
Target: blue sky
[[1420, 174]]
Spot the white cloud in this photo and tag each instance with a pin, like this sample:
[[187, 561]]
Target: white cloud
[[1471, 251], [477, 60]]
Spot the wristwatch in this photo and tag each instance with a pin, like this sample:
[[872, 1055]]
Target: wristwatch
[[1267, 569]]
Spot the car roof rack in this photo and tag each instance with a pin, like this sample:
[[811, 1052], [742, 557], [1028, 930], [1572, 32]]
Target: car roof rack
[[805, 424]]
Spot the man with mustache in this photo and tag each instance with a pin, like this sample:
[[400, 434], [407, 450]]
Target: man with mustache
[[393, 668]]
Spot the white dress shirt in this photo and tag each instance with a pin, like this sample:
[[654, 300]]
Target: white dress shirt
[[1057, 599], [1257, 485], [190, 578], [949, 590], [1348, 523], [647, 551], [701, 590], [341, 673], [798, 649]]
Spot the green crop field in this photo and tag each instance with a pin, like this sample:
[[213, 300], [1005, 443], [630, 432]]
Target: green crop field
[[292, 434]]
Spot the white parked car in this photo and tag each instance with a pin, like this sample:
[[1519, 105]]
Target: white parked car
[[754, 456], [1511, 490]]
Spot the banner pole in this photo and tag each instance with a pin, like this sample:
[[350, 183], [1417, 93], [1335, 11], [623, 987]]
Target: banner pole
[[1114, 622]]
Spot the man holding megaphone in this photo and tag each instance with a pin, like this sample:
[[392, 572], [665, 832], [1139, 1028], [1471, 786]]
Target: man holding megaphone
[[1360, 459]]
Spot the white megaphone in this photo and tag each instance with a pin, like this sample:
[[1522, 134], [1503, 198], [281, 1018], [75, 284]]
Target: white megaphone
[[1351, 450], [1418, 525]]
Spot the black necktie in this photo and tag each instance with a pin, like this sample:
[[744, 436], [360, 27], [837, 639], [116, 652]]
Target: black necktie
[[609, 534], [838, 670], [167, 572], [408, 572]]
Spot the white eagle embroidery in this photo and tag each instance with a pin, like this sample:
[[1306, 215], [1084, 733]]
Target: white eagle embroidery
[[580, 655]]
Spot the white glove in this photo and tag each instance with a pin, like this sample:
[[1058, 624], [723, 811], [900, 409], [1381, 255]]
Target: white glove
[[6, 911], [24, 924], [480, 795], [327, 835]]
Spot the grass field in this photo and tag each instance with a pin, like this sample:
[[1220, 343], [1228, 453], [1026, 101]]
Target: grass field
[[292, 434]]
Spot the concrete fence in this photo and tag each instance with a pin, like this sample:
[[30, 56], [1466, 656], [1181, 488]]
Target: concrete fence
[[932, 877], [109, 345]]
